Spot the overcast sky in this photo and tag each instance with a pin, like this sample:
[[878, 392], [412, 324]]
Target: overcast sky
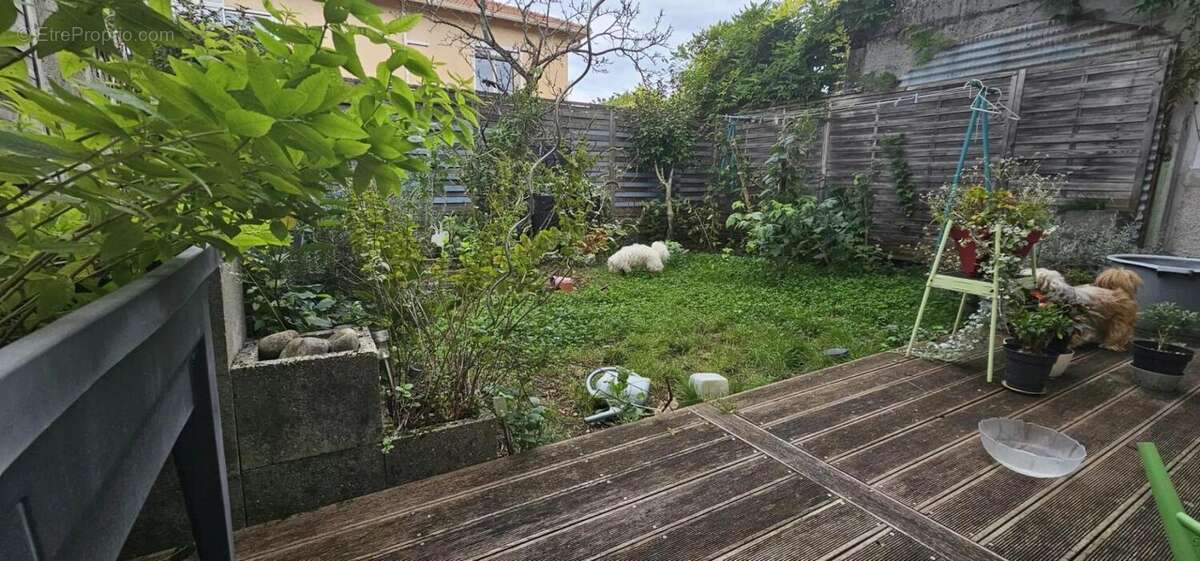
[[684, 16]]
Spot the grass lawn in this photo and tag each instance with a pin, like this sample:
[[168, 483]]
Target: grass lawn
[[742, 317]]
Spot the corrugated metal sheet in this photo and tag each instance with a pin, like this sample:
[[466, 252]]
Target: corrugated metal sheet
[[1034, 45]]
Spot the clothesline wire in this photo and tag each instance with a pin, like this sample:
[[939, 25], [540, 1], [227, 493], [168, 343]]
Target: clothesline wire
[[914, 97]]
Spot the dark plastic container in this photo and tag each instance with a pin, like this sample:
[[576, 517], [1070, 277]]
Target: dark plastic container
[[1173, 360], [1026, 372], [1164, 279]]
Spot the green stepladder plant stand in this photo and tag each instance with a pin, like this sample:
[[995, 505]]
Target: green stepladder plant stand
[[981, 107], [1183, 531]]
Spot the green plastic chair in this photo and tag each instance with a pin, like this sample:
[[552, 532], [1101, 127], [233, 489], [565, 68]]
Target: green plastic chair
[[1183, 531]]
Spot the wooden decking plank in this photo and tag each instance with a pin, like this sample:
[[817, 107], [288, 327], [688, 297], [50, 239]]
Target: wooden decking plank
[[1058, 521], [816, 397], [260, 540], [727, 527], [534, 519], [875, 402], [813, 536], [928, 438], [890, 546], [1140, 535], [901, 517], [623, 525], [865, 432], [762, 395], [441, 516], [987, 499], [967, 461]]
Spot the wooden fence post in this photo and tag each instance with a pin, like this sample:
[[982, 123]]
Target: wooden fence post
[[1016, 89]]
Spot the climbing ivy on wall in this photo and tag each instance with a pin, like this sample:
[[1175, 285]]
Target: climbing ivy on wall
[[1186, 71], [893, 150]]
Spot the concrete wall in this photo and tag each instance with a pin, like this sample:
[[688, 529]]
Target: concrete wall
[[1174, 227], [887, 51], [438, 42]]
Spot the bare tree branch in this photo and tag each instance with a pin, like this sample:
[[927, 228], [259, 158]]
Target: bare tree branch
[[598, 32]]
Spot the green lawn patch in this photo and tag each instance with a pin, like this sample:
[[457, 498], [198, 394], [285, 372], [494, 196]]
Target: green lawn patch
[[750, 320]]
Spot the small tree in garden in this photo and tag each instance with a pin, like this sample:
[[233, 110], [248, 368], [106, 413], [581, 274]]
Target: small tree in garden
[[104, 178], [664, 138]]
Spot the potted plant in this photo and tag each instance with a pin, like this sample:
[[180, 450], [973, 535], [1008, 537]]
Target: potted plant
[[1019, 205], [1163, 354], [1032, 350]]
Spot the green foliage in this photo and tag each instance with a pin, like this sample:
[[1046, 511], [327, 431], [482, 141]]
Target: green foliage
[[664, 129], [769, 53], [834, 230], [702, 222], [1035, 329], [926, 43], [525, 420], [1186, 72], [103, 180], [785, 175], [1169, 320], [663, 139], [456, 291], [280, 294], [893, 150]]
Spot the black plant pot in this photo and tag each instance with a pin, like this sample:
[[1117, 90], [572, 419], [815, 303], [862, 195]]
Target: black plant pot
[[541, 210], [1173, 360], [1027, 372]]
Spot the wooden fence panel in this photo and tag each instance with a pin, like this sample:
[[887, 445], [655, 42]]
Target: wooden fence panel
[[1097, 122]]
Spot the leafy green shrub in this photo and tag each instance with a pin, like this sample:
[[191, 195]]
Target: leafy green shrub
[[457, 294], [701, 221], [1169, 320], [278, 298], [833, 230], [785, 175], [524, 418], [1037, 328], [104, 179]]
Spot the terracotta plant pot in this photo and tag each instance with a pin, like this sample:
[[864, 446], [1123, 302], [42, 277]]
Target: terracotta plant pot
[[1172, 361], [968, 255]]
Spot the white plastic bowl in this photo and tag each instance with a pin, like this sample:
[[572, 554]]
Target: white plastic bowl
[[1030, 449]]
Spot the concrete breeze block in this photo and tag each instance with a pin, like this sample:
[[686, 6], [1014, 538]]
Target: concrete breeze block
[[300, 407]]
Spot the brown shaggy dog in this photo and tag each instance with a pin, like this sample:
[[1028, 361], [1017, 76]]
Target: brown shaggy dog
[[1109, 305]]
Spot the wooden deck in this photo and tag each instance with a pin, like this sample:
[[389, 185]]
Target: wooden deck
[[876, 459]]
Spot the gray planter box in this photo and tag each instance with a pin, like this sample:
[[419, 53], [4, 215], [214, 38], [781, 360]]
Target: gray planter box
[[293, 408], [443, 448]]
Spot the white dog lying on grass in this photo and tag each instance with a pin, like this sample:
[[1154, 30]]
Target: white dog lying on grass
[[638, 256]]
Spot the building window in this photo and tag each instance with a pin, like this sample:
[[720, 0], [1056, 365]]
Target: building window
[[216, 11], [492, 73]]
